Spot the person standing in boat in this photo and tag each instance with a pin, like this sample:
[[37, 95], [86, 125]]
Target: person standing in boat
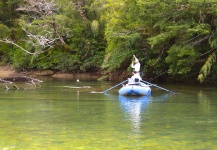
[[136, 65]]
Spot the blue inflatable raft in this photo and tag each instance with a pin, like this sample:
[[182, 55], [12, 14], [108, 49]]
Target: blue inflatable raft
[[135, 90]]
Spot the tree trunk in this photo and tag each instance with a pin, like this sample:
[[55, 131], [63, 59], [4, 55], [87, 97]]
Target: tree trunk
[[79, 5]]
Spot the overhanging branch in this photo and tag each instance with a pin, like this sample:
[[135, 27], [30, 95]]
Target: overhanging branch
[[11, 42]]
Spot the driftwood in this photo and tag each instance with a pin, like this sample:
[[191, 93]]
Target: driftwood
[[19, 79]]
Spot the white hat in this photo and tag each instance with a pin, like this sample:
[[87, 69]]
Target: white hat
[[136, 60]]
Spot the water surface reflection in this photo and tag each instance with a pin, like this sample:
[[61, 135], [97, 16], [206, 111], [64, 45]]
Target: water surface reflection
[[133, 108], [64, 114]]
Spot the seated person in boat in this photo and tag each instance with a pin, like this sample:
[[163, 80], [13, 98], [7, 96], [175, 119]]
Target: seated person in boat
[[135, 79]]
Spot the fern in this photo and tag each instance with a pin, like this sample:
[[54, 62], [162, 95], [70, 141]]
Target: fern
[[205, 70]]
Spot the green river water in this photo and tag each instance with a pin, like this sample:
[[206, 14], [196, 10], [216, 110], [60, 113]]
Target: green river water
[[65, 115]]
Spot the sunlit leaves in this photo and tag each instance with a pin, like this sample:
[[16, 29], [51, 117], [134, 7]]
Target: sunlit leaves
[[202, 29], [95, 27]]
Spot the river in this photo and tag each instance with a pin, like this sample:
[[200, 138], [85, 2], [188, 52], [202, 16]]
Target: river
[[63, 114]]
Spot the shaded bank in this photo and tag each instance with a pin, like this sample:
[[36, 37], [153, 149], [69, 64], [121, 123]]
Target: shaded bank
[[8, 71]]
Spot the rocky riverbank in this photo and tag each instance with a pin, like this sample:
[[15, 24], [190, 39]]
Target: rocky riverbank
[[7, 71]]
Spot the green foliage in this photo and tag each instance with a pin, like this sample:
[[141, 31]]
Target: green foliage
[[117, 59], [213, 39], [180, 59], [4, 53], [84, 43], [4, 30], [121, 34], [8, 15], [104, 34], [95, 27], [182, 28], [13, 2], [66, 62], [19, 59]]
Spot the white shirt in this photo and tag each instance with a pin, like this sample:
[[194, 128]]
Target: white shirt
[[136, 66]]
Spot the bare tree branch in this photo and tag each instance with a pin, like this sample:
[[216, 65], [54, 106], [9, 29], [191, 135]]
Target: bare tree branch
[[11, 42], [40, 8], [43, 36], [43, 41], [57, 33], [79, 5], [200, 40]]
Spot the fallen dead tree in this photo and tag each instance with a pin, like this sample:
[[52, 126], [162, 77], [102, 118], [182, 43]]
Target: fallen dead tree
[[15, 80]]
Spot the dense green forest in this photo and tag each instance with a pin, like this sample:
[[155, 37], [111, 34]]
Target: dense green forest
[[173, 39]]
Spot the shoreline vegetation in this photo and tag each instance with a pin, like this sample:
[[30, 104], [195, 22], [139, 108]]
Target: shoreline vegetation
[[174, 41]]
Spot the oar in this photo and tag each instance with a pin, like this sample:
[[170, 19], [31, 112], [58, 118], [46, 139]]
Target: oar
[[157, 86], [114, 86]]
